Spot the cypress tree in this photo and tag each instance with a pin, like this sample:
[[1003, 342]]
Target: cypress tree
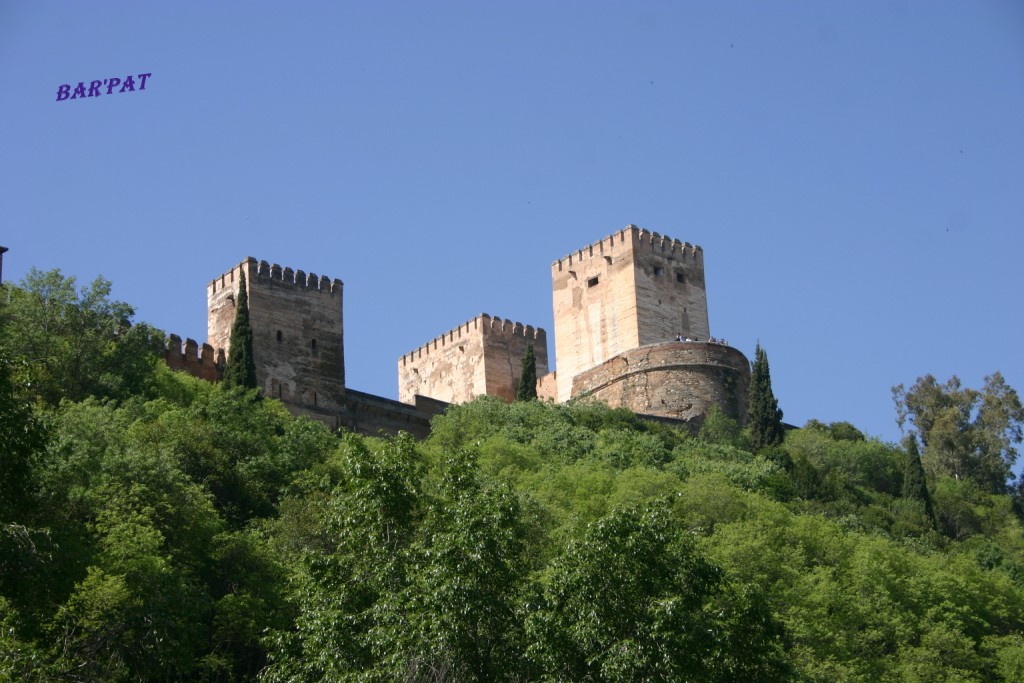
[[528, 380], [763, 409], [914, 485], [240, 370]]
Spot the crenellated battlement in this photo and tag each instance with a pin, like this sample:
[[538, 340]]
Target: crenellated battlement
[[629, 292], [630, 237], [299, 278], [488, 325], [631, 288], [481, 356], [203, 362], [296, 320], [262, 271]]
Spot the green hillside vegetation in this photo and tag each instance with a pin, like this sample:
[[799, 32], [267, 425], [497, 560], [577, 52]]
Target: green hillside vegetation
[[157, 528]]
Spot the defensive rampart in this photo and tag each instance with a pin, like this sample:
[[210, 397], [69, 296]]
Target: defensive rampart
[[616, 303], [205, 363], [636, 238], [298, 336], [677, 380], [481, 356], [632, 288]]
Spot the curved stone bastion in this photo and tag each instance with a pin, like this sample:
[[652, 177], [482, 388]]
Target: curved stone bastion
[[677, 380]]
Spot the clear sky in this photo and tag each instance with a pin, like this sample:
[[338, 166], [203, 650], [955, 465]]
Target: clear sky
[[853, 170]]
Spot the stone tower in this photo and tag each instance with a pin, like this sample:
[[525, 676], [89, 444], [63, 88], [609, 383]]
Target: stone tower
[[627, 290], [298, 341], [482, 356]]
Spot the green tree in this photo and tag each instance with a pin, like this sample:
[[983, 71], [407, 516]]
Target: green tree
[[914, 485], [21, 439], [77, 342], [965, 433], [458, 614], [351, 532], [634, 600], [765, 418], [240, 370], [719, 428], [528, 379]]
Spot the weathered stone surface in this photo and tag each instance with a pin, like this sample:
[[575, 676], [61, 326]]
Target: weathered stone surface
[[369, 414], [629, 289], [678, 380], [297, 331], [617, 305], [206, 363], [480, 357], [547, 386]]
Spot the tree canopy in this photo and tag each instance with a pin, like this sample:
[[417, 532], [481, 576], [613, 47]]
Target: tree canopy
[[182, 532], [964, 433], [76, 342]]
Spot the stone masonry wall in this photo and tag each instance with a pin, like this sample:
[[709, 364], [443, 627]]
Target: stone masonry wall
[[631, 288], [670, 290], [481, 356], [678, 380], [298, 337], [206, 363]]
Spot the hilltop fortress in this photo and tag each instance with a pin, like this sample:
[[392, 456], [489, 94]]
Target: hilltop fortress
[[631, 329]]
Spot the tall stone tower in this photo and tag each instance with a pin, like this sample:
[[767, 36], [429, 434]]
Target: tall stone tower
[[480, 357], [627, 290], [298, 341]]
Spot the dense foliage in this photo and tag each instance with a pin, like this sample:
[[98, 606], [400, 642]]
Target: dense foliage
[[75, 343], [965, 433], [184, 531]]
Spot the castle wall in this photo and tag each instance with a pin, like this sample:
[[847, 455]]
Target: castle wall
[[547, 386], [631, 288], [670, 290], [369, 414], [617, 304], [205, 363], [481, 356], [678, 380], [298, 336]]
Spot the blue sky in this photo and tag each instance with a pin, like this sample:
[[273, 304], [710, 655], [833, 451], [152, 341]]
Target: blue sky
[[853, 170]]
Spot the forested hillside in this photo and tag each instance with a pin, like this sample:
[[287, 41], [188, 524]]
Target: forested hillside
[[157, 528]]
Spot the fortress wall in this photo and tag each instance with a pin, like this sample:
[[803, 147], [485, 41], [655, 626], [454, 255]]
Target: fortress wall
[[547, 386], [205, 363], [593, 296], [298, 335], [678, 380], [670, 290], [369, 414], [481, 356], [631, 288], [448, 368], [505, 344]]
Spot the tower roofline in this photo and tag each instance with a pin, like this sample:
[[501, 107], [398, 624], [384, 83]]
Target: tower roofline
[[273, 271], [637, 235]]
